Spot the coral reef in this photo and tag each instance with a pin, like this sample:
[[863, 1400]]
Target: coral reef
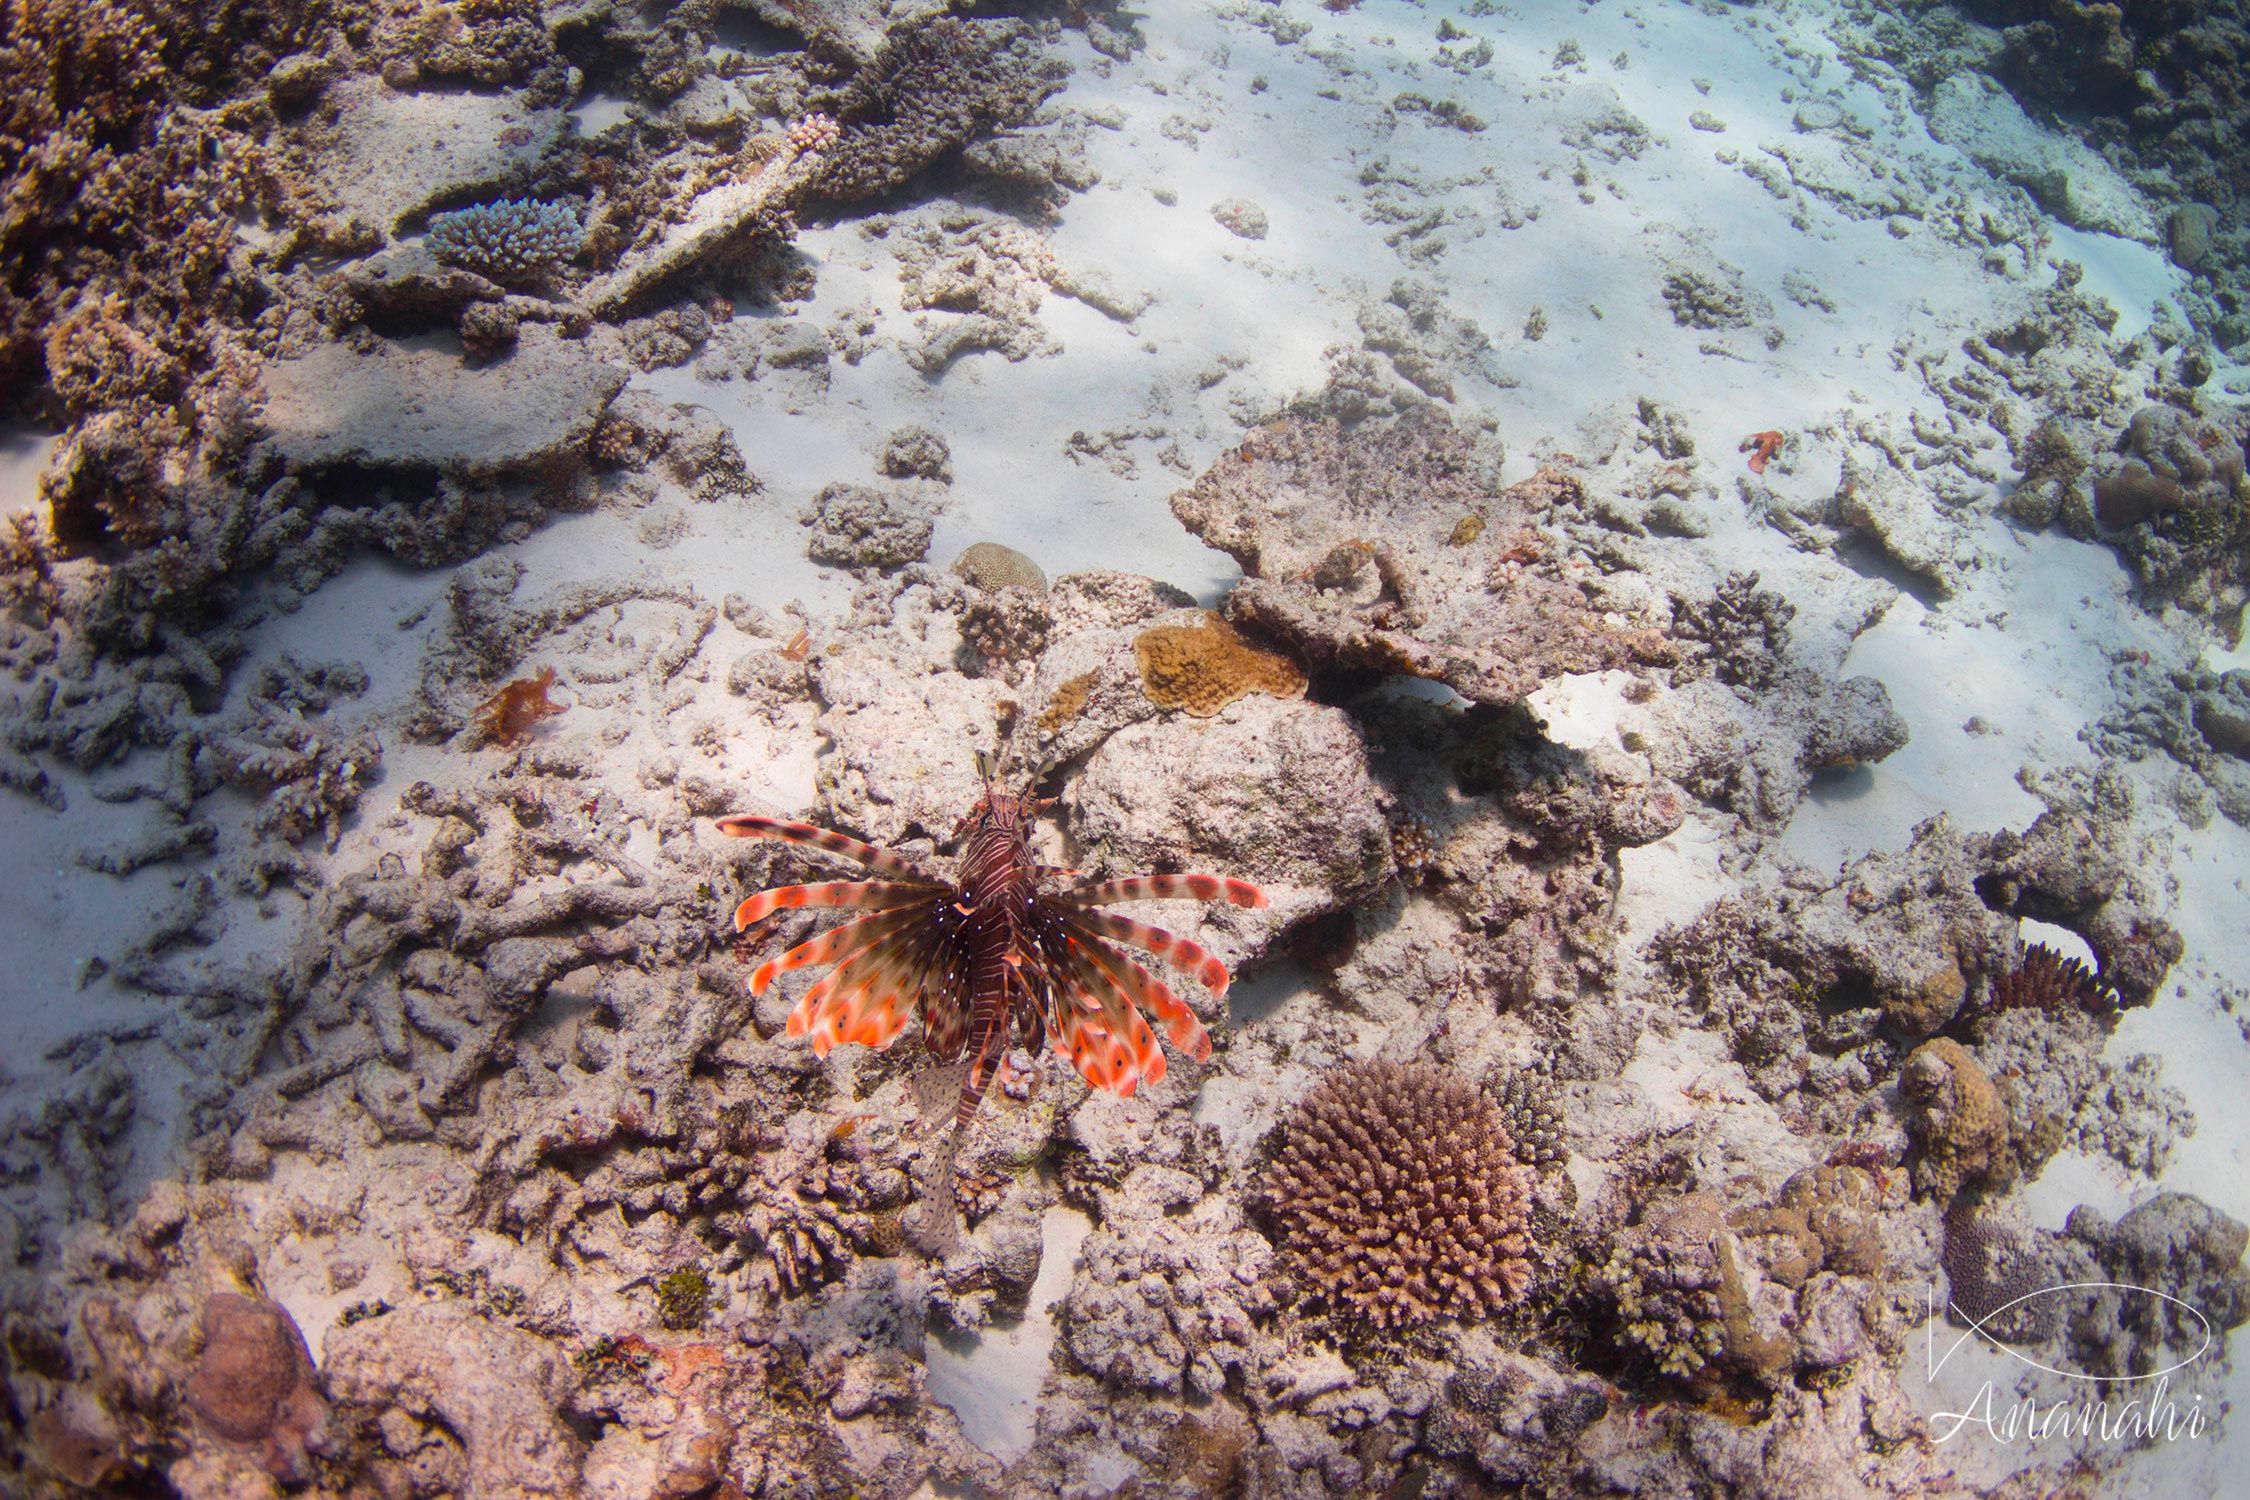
[[482, 1087], [1398, 1198]]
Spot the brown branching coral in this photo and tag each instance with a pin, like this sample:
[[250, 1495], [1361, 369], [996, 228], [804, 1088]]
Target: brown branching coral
[[1399, 1198], [1531, 1110], [1200, 669], [508, 715], [2048, 982]]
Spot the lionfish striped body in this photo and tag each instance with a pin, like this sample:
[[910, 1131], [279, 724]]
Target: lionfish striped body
[[990, 956]]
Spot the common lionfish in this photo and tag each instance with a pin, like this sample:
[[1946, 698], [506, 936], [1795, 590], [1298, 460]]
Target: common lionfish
[[990, 953]]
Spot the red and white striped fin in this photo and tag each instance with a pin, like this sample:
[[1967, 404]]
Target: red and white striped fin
[[1181, 954], [750, 826], [836, 943], [1181, 1028], [1168, 888], [1056, 872], [1111, 1045], [867, 999], [832, 893]]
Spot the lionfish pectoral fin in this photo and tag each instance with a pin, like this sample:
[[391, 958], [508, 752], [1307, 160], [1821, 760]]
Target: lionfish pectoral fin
[[835, 944], [890, 862], [1109, 1041], [1188, 957], [866, 999], [877, 893], [1169, 888], [1181, 1025]]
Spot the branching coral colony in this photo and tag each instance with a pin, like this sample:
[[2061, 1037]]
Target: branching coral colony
[[991, 956]]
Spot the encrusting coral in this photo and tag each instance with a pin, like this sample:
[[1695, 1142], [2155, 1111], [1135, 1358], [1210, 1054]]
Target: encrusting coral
[[254, 1385], [1399, 1198], [1959, 1119], [1200, 669]]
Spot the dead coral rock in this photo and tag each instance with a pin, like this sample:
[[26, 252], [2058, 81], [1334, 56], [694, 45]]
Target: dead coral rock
[[1960, 1120], [498, 1389], [1399, 1197], [1805, 974], [902, 719], [1172, 1303], [417, 409], [694, 447], [1101, 598], [1006, 627], [2173, 1244], [409, 283], [254, 1385], [1088, 682], [733, 214], [1276, 793], [1200, 668], [77, 1439], [1345, 534], [854, 526], [915, 452], [932, 87], [2076, 866], [1515, 1417], [384, 156], [2222, 713]]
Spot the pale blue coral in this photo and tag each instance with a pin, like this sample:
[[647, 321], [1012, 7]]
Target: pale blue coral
[[513, 240]]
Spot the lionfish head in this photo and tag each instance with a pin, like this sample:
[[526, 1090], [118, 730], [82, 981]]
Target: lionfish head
[[999, 808]]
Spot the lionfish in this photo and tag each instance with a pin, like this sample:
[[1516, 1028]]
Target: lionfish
[[990, 954]]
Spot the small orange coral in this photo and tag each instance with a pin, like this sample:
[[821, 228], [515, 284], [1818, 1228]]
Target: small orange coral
[[1761, 446], [509, 713], [1203, 668]]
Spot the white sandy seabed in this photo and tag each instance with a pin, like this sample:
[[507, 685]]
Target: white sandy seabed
[[1214, 109]]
